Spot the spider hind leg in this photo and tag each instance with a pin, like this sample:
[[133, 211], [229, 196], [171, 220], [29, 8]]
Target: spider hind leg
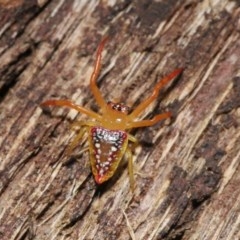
[[129, 156]]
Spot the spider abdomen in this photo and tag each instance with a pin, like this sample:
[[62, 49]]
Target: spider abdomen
[[107, 148]]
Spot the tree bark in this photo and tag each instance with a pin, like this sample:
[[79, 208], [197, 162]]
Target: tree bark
[[186, 169]]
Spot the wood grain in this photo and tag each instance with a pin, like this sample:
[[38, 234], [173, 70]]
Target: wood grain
[[187, 170]]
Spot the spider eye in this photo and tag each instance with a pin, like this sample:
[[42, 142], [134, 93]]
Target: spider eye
[[120, 107]]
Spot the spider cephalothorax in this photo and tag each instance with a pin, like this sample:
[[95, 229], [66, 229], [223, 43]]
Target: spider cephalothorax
[[108, 133], [120, 107]]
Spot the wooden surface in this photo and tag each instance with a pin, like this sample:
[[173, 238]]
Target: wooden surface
[[186, 170]]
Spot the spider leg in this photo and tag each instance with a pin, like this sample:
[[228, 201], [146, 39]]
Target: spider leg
[[133, 140], [95, 90], [82, 123], [142, 106], [75, 141], [70, 104], [79, 136], [130, 168], [150, 122], [129, 156]]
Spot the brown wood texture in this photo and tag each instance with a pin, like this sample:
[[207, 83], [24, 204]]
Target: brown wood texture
[[187, 170]]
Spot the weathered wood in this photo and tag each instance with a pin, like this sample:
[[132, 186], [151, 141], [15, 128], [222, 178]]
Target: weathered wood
[[187, 169]]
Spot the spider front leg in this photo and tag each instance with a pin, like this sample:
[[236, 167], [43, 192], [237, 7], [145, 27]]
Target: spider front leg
[[142, 106], [95, 90]]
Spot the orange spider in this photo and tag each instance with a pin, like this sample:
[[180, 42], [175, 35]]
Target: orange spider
[[108, 133]]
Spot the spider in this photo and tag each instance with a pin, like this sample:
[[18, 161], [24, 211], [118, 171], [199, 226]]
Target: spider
[[108, 133]]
